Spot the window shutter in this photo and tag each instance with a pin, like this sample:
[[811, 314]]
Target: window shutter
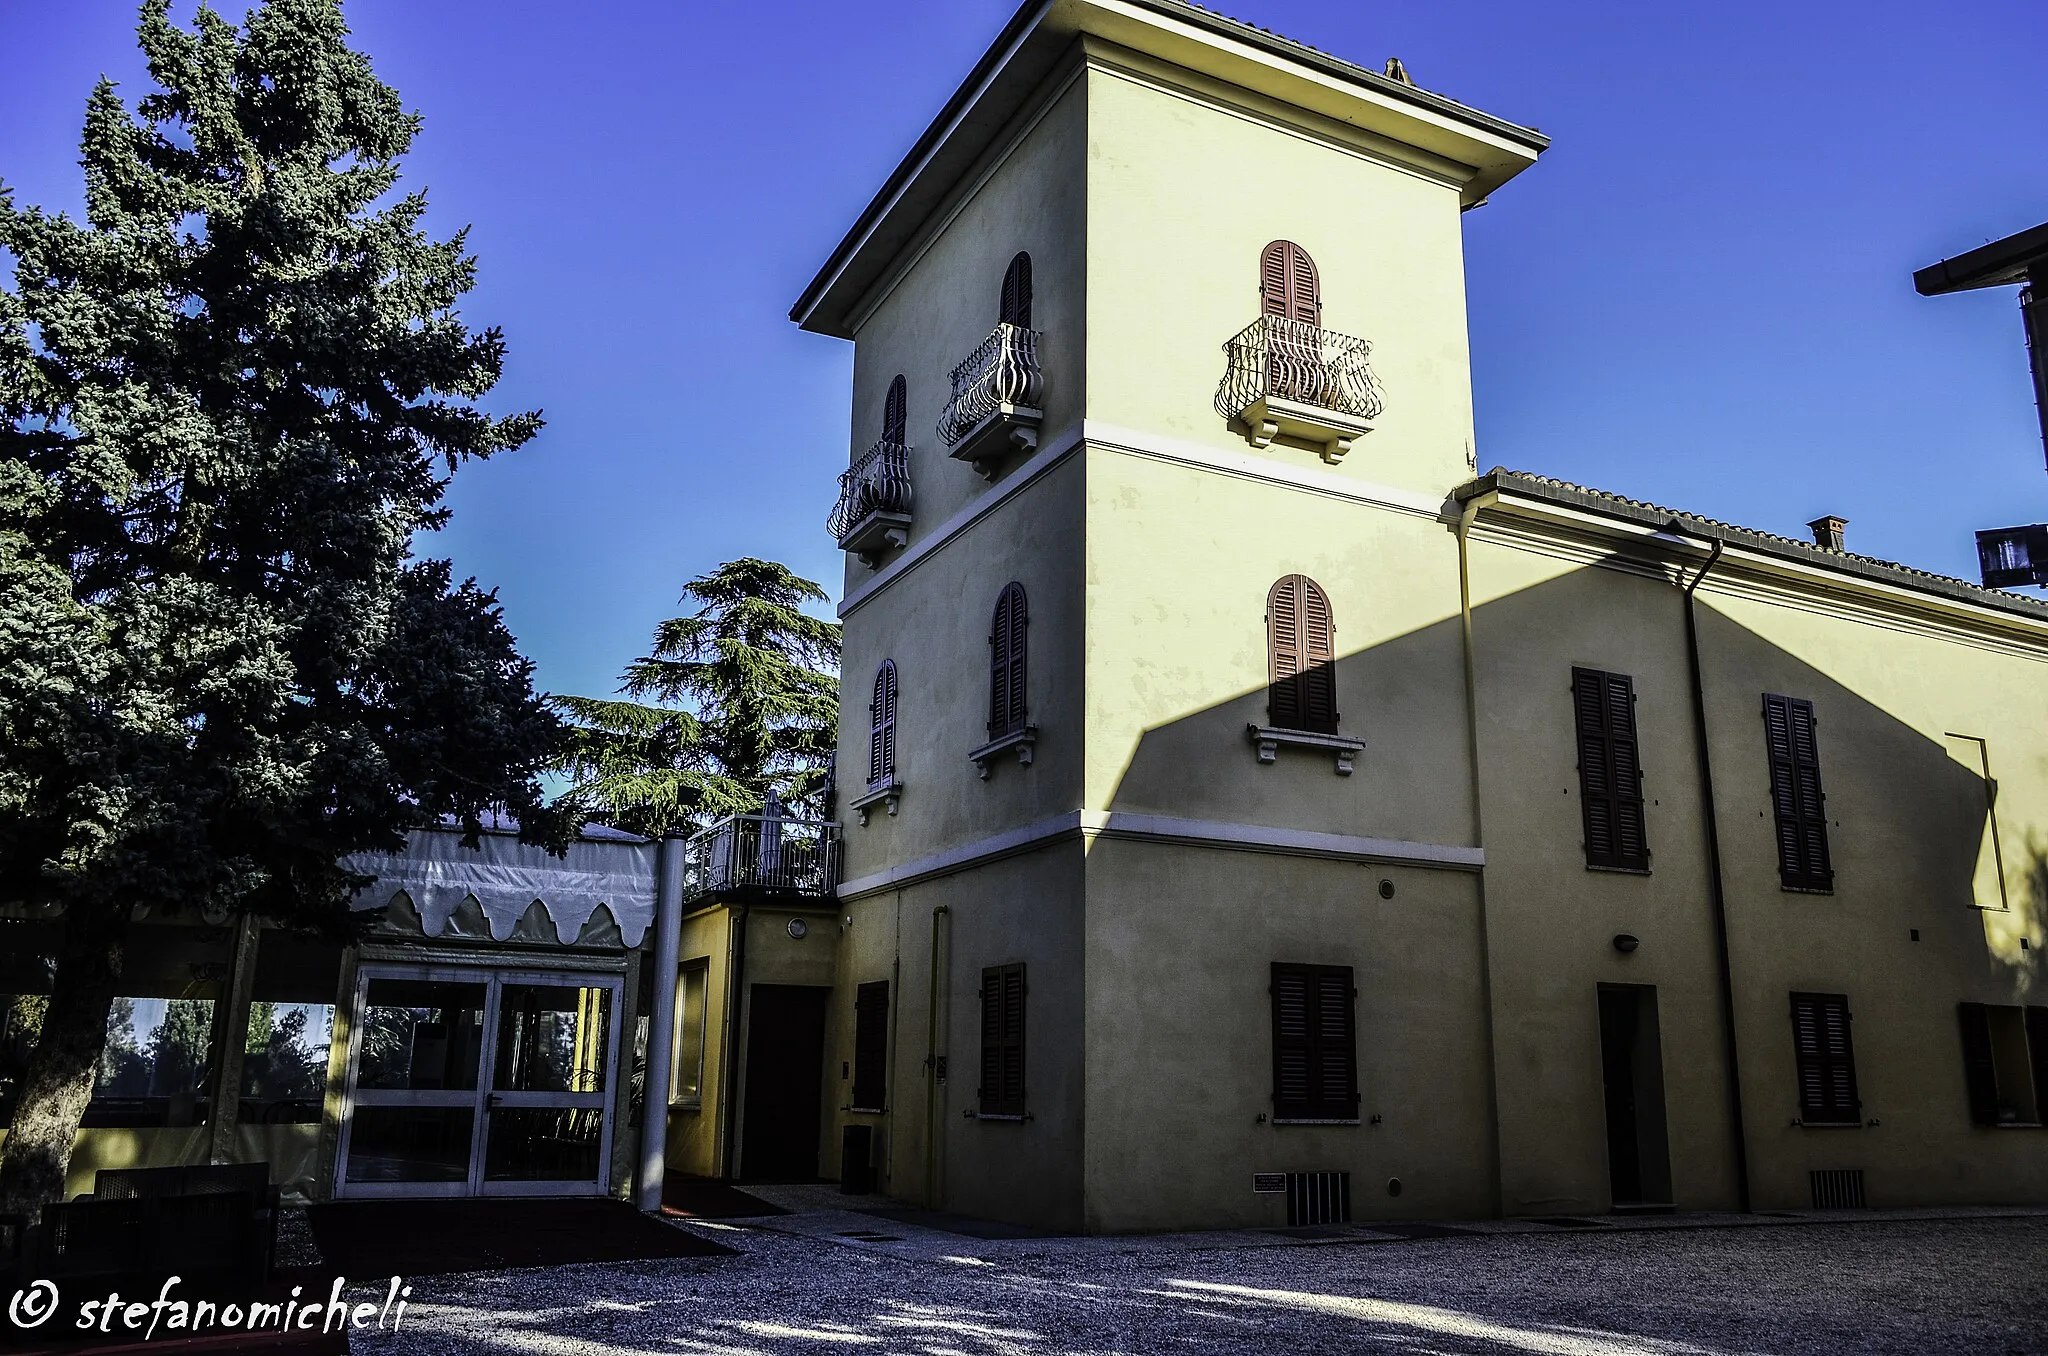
[[1315, 1062], [882, 726], [1016, 301], [1006, 710], [1288, 286], [1002, 1040], [2037, 1052], [1610, 769], [895, 412], [1796, 795], [1300, 657], [1980, 1070], [871, 1046], [1825, 1059]]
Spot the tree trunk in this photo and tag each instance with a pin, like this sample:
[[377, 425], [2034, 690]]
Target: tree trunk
[[58, 1080]]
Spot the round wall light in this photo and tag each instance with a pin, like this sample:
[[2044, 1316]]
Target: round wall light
[[798, 928], [1386, 889], [1624, 943]]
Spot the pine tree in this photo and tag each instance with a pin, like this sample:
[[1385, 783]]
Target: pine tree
[[749, 701], [230, 397]]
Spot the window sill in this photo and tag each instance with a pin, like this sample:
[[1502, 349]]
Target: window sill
[[886, 793], [1801, 1123], [1805, 889], [996, 1116], [697, 1105], [1267, 739], [1619, 870], [867, 1110], [1316, 1120], [1024, 741], [2007, 1125]]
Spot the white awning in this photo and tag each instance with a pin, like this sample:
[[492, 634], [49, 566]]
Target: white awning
[[505, 877]]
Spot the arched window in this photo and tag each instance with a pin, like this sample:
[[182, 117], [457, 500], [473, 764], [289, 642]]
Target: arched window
[[882, 726], [1301, 657], [1287, 284], [1016, 304], [1006, 663], [895, 413]]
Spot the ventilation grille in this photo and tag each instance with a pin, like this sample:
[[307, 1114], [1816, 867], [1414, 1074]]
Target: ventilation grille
[[1318, 1198], [1836, 1188]]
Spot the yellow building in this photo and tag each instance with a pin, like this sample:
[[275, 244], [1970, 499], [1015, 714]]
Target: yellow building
[[1255, 815]]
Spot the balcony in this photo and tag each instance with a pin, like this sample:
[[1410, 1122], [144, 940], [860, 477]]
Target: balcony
[[762, 858], [994, 410], [873, 512], [1289, 378]]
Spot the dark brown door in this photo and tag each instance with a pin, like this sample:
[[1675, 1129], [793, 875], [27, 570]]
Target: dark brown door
[[785, 1069], [1632, 1068]]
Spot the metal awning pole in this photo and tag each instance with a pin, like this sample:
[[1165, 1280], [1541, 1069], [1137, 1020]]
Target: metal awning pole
[[661, 1021]]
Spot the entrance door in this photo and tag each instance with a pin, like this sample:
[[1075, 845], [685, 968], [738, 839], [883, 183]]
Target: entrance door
[[785, 1070], [1632, 1068], [478, 1082]]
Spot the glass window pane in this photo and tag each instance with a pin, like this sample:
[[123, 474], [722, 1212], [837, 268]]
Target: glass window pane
[[552, 1038], [156, 1047], [410, 1143], [421, 1033], [284, 1061], [687, 1083], [543, 1144]]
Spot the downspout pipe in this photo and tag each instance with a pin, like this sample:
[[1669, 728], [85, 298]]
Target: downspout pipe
[[1466, 518], [661, 1025], [933, 1059], [1716, 891]]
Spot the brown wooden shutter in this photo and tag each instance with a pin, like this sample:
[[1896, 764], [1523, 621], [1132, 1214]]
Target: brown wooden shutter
[[1796, 796], [895, 412], [1300, 657], [1610, 770], [1006, 709], [1980, 1070], [2037, 1054], [1016, 302], [871, 1046], [882, 726], [1825, 1059], [1288, 286], [1002, 1040], [1315, 1056]]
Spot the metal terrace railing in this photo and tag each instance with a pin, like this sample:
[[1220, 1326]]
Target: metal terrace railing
[[1277, 358], [1002, 371], [877, 483], [763, 855]]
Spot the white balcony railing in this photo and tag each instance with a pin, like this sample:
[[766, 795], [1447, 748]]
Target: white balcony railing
[[763, 854], [873, 511], [1288, 376], [996, 393]]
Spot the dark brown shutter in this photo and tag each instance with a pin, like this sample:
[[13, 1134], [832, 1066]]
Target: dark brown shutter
[[882, 726], [871, 1046], [1016, 303], [1980, 1070], [1315, 1057], [1006, 710], [1796, 796], [1610, 770], [1002, 1040], [1288, 287], [1825, 1059], [895, 412], [1300, 657], [2037, 1051]]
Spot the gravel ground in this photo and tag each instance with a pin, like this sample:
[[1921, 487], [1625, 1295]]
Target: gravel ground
[[1916, 1285]]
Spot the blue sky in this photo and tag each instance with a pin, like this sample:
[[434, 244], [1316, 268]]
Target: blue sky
[[1700, 296]]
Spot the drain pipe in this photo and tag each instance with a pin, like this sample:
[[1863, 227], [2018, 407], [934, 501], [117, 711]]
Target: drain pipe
[[1715, 889], [1464, 529], [661, 1026], [735, 994], [932, 1064]]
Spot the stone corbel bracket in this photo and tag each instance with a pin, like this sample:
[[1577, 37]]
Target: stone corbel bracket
[[1006, 432], [1267, 739], [885, 794], [1024, 741]]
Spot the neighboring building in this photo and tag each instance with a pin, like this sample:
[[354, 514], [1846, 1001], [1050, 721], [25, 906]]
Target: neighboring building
[[1270, 818]]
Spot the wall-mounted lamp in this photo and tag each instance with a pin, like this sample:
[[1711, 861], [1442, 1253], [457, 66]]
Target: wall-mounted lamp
[[1625, 944]]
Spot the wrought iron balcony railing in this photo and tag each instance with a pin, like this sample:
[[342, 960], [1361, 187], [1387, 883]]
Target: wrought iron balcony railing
[[996, 392], [873, 512], [761, 855], [1288, 376]]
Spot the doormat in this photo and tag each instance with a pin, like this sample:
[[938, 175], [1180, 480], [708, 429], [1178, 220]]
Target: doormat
[[709, 1198], [423, 1238]]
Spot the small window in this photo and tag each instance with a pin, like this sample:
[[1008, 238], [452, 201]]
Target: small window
[[1610, 771], [1300, 657], [871, 1046], [1006, 709], [686, 1082], [1002, 1040], [882, 727], [1288, 287], [1315, 1066], [2005, 1062], [1016, 303], [1796, 795], [1826, 1061], [895, 413]]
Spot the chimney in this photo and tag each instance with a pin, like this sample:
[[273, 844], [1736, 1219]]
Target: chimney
[[1827, 532]]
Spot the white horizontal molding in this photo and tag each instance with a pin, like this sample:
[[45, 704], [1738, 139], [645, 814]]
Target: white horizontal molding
[[1208, 833], [1268, 469]]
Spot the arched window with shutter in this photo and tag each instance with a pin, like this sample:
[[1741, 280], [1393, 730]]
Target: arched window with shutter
[[1016, 303], [882, 727], [1006, 713], [1301, 657], [895, 412], [1287, 284]]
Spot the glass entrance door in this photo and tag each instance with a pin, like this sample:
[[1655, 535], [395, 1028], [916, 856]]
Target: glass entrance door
[[468, 1082]]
